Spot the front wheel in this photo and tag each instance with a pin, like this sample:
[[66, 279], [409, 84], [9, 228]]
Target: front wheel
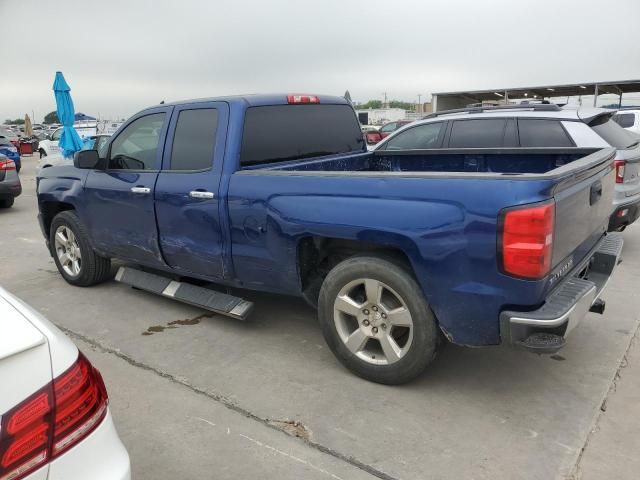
[[42, 153], [376, 321], [76, 260]]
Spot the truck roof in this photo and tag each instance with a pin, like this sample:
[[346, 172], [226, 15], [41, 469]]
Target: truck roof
[[261, 99]]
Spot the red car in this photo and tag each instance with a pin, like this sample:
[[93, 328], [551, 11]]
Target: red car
[[388, 128]]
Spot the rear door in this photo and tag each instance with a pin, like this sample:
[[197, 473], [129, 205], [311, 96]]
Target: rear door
[[119, 200], [188, 208]]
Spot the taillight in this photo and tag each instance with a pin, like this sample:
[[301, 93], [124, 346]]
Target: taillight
[[7, 165], [52, 420], [526, 240], [303, 99], [619, 166]]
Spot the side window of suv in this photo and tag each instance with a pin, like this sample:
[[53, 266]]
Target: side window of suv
[[416, 138], [479, 133], [56, 135], [136, 147], [543, 133], [389, 127]]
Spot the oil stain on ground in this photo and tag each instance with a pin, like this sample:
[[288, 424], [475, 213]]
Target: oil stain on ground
[[174, 324]]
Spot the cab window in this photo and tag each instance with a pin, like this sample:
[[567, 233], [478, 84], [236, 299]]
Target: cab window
[[136, 147]]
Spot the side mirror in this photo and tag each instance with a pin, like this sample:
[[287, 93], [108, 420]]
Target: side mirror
[[86, 159]]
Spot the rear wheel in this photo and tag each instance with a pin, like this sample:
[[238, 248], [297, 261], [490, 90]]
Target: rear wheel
[[76, 260], [7, 203], [376, 321]]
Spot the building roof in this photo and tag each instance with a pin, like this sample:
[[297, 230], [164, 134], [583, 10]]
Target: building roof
[[566, 90]]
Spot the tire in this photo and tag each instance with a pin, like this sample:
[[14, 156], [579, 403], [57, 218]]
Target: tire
[[42, 153], [83, 270], [7, 203], [413, 348]]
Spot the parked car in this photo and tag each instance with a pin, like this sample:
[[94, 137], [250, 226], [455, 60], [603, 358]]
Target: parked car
[[55, 422], [397, 249], [525, 126], [50, 146], [10, 135], [96, 142], [390, 127], [10, 186], [8, 149], [628, 119]]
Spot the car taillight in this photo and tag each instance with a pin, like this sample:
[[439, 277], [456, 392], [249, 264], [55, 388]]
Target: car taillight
[[526, 240], [303, 99], [52, 420], [7, 165], [619, 166]]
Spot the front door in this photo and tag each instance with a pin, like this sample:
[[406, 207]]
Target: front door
[[187, 205], [119, 207]]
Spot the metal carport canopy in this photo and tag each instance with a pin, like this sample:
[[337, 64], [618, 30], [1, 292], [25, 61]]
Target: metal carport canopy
[[446, 100]]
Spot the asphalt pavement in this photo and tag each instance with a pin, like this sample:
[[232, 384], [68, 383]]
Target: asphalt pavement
[[203, 396]]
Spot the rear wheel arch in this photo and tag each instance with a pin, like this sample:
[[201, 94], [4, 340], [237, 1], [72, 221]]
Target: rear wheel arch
[[317, 255]]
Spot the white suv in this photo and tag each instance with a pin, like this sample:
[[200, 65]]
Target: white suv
[[533, 127], [54, 416]]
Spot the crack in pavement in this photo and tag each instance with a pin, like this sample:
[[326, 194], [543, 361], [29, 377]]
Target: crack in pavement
[[576, 472], [227, 403]]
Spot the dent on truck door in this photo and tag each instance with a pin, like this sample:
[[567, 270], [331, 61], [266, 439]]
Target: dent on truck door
[[119, 200], [187, 204]]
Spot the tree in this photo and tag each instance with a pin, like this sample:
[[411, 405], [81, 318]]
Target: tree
[[8, 121], [51, 117], [400, 104], [370, 104]]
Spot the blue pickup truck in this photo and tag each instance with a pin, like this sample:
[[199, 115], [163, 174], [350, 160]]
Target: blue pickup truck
[[400, 251]]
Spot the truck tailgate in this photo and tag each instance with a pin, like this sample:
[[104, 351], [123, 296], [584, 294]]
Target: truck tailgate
[[584, 202]]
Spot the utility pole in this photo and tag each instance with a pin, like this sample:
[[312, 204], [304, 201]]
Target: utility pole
[[386, 103], [419, 109]]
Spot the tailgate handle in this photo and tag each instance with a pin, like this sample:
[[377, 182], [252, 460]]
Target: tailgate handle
[[596, 192]]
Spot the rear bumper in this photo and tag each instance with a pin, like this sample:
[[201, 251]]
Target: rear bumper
[[567, 304], [10, 189], [624, 214], [101, 456]]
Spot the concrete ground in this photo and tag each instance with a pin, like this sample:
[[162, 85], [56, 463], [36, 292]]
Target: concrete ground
[[199, 396]]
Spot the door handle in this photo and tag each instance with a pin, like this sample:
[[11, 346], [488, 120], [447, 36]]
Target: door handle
[[201, 194], [142, 190], [596, 192]]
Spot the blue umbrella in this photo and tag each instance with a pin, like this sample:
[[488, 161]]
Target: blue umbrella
[[70, 141]]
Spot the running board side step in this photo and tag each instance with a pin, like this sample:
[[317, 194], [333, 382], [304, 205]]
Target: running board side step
[[205, 298]]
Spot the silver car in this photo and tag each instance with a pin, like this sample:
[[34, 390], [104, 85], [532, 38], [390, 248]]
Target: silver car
[[533, 126], [10, 186]]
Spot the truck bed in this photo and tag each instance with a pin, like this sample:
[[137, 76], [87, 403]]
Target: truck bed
[[492, 161]]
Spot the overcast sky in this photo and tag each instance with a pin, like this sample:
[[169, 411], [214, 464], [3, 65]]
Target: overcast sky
[[122, 55]]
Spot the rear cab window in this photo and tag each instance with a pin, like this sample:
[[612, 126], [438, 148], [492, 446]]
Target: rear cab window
[[278, 133], [612, 133]]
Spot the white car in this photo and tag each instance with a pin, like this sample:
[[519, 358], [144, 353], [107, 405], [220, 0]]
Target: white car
[[55, 422], [101, 144], [628, 119], [49, 147]]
